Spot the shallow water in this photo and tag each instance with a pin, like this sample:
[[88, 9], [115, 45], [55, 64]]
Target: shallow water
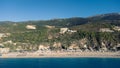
[[59, 63]]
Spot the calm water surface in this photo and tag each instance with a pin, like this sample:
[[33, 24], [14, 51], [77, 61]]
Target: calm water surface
[[60, 63]]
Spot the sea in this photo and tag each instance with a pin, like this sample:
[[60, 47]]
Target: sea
[[59, 62]]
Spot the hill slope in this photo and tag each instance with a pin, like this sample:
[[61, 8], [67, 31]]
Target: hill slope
[[80, 33]]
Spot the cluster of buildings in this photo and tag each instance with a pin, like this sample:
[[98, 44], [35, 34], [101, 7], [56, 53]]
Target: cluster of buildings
[[64, 30]]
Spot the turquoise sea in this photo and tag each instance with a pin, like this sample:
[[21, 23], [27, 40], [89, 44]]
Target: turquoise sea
[[60, 63]]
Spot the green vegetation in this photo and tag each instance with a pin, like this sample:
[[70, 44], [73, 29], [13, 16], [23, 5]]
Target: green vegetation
[[87, 28]]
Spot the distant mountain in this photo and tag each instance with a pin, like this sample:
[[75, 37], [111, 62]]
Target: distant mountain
[[67, 22], [112, 18], [109, 16]]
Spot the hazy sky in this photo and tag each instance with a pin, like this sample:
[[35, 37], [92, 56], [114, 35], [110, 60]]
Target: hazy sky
[[22, 10]]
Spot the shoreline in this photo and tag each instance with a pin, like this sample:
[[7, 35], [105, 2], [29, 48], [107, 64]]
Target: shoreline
[[63, 55]]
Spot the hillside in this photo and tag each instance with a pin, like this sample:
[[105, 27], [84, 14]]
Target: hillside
[[96, 33]]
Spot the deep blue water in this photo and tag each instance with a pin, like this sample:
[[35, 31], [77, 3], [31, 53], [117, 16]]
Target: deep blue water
[[60, 63]]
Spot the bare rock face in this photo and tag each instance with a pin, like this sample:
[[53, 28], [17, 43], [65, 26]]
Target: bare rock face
[[19, 48], [103, 47], [91, 49], [73, 46], [57, 45], [43, 47], [50, 37], [4, 50], [83, 43], [31, 27]]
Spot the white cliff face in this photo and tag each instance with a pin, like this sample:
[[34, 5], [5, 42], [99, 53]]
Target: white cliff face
[[64, 30], [30, 27]]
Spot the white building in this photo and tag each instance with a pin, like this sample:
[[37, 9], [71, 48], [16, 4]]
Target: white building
[[72, 31]]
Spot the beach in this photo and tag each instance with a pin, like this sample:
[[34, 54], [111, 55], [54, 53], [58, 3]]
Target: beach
[[60, 54]]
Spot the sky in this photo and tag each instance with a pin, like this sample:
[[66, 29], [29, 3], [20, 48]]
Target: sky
[[24, 10]]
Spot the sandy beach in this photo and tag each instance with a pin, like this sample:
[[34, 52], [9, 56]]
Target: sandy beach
[[61, 54]]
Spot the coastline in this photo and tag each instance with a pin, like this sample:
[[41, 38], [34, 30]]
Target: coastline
[[63, 55]]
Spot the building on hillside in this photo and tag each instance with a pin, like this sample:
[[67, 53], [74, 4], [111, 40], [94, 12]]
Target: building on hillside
[[63, 30], [72, 31]]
